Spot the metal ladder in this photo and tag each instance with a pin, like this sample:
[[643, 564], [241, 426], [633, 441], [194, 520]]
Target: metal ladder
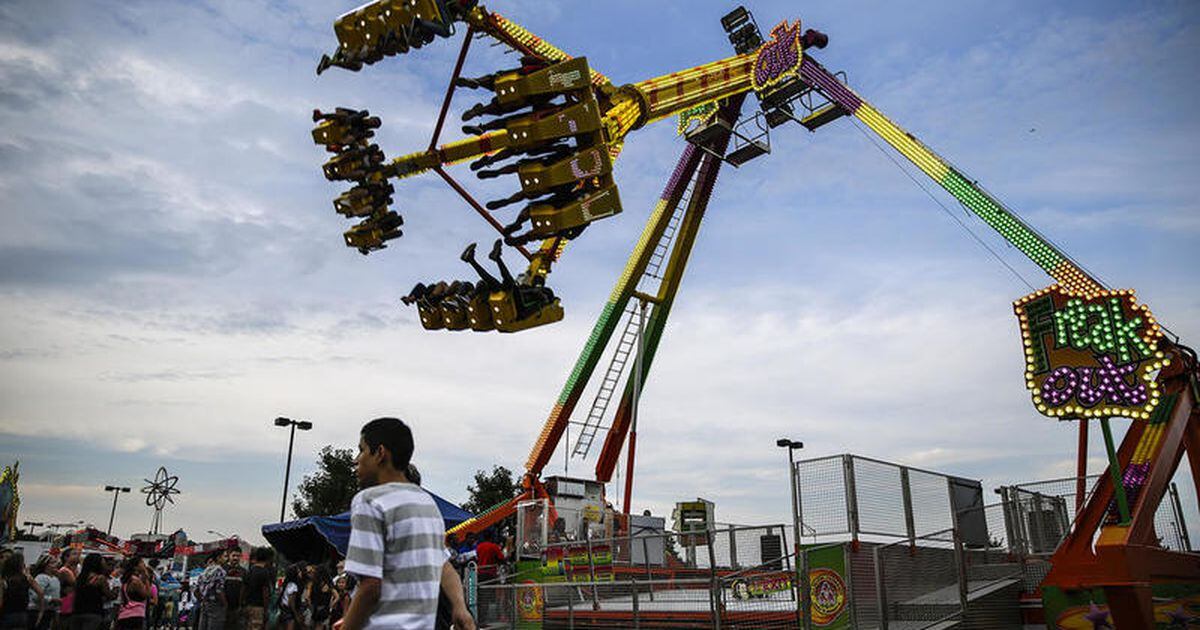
[[627, 342]]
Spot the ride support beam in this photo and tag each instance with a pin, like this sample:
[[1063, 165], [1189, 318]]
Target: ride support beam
[[706, 179], [1126, 560], [610, 314], [965, 190]]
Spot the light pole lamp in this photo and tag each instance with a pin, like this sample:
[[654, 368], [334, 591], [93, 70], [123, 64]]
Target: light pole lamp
[[802, 582], [303, 425], [116, 490]]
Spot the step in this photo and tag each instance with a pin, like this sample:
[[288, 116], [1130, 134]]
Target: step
[[990, 572]]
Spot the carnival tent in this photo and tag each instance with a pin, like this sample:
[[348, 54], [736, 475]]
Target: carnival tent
[[314, 537]]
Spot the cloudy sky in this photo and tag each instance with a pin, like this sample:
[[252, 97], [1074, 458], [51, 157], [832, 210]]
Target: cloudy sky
[[172, 276]]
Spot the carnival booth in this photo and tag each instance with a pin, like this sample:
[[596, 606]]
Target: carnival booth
[[318, 538]]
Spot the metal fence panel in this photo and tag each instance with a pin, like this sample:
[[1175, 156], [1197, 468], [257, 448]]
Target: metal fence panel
[[880, 498], [822, 502]]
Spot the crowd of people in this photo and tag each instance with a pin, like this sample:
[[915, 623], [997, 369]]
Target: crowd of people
[[71, 591], [397, 571]]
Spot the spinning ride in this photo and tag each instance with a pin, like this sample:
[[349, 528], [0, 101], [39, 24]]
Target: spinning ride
[[557, 124]]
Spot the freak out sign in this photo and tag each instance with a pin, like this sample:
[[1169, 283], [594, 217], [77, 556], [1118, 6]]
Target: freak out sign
[[1090, 355], [779, 57]]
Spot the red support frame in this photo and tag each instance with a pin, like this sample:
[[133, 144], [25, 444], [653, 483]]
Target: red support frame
[[437, 134], [1126, 561]]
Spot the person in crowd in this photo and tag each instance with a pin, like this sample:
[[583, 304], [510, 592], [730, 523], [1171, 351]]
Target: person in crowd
[[234, 583], [67, 572], [468, 544], [114, 570], [320, 596], [45, 573], [291, 616], [341, 598], [16, 587], [210, 594], [91, 591], [133, 596], [256, 588], [186, 614], [154, 608], [396, 540], [488, 555]]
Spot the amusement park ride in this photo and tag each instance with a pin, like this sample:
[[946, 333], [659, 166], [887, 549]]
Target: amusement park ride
[[558, 125]]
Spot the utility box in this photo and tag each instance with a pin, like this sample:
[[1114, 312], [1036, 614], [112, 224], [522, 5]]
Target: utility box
[[581, 509], [647, 540]]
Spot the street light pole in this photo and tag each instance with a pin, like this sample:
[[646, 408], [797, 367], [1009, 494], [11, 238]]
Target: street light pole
[[116, 490], [802, 577], [303, 425]]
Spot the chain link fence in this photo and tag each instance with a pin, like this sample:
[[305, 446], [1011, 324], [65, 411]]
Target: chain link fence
[[733, 577], [1170, 523], [867, 498], [914, 550]]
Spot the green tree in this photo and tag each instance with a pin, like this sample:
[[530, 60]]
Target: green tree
[[330, 489], [490, 489]]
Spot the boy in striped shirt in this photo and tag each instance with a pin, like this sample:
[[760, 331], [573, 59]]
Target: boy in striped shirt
[[396, 540]]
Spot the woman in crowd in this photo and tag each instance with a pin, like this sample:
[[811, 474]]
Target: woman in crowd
[[134, 593], [67, 572], [341, 598], [320, 596], [291, 613], [187, 605], [45, 573], [91, 591], [15, 593]]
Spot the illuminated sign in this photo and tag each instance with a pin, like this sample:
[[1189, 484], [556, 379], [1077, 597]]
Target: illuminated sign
[[700, 114], [779, 57], [1090, 355], [827, 593], [530, 601]]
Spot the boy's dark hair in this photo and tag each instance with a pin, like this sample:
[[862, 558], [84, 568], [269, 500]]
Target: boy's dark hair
[[392, 434]]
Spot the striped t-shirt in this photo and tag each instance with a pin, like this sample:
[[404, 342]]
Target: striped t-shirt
[[397, 534]]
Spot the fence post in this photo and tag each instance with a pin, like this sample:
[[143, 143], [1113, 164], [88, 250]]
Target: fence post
[[571, 606], [512, 619], [805, 599], [961, 568], [733, 563], [637, 622], [906, 492], [646, 560], [851, 491], [592, 570], [880, 588], [1180, 524], [714, 584]]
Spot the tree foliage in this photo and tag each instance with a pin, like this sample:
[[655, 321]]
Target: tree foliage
[[490, 489], [328, 490]]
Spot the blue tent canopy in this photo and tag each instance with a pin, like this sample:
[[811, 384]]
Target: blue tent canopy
[[314, 537]]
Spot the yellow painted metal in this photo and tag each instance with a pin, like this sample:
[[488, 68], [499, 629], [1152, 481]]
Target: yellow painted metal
[[589, 163], [548, 220], [925, 159], [505, 314], [365, 26], [516, 89]]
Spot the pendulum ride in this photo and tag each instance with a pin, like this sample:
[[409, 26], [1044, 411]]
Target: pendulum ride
[[557, 125]]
